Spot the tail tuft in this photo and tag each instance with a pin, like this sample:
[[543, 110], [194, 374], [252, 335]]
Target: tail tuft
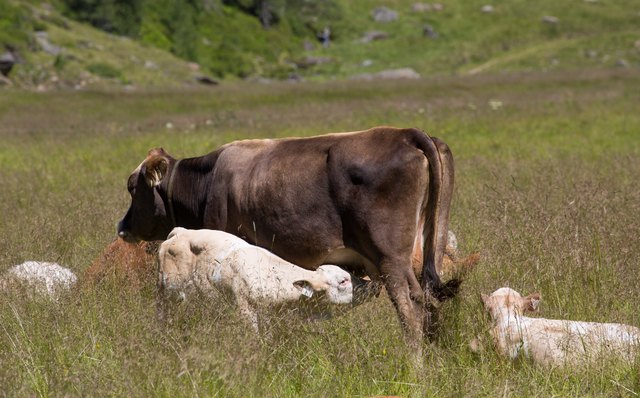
[[448, 290]]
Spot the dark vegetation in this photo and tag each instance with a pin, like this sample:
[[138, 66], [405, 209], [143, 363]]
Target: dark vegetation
[[16, 24], [226, 37]]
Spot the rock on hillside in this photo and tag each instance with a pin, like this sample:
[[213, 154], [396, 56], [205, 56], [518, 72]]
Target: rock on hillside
[[384, 14], [401, 73], [7, 60]]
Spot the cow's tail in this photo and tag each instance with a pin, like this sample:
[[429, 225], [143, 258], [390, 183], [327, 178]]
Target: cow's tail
[[436, 223]]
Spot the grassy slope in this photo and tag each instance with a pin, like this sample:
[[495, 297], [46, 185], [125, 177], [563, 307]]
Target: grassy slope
[[546, 190], [513, 37], [82, 48], [232, 43]]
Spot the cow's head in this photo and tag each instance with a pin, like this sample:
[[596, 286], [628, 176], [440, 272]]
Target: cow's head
[[147, 218]]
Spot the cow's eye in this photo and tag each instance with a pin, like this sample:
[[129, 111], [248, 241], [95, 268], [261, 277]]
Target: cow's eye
[[130, 185]]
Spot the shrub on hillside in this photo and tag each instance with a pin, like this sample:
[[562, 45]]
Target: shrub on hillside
[[227, 37], [15, 25], [104, 70], [114, 16]]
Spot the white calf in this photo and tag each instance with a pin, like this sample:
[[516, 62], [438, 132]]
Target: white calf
[[554, 342], [208, 259]]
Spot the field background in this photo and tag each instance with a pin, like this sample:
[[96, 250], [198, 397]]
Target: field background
[[546, 189], [542, 118]]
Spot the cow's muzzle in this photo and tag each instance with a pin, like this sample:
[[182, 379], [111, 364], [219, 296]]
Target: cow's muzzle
[[124, 234]]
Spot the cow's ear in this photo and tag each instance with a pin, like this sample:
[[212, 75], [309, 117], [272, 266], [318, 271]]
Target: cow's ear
[[532, 302], [155, 169], [484, 298]]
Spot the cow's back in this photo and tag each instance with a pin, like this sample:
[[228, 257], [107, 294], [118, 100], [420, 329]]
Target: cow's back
[[303, 198]]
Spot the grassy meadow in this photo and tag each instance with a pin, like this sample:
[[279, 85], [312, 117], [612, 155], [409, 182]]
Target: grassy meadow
[[546, 190]]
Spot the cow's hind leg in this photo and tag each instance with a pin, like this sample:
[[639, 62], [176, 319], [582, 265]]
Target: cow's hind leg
[[406, 295]]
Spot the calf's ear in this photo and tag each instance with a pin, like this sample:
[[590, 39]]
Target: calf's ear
[[484, 298], [155, 169], [532, 302], [305, 287]]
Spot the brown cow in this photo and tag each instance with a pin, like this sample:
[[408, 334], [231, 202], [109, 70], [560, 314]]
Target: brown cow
[[374, 202], [135, 264]]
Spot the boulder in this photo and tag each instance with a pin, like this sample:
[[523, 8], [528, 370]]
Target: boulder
[[430, 31], [150, 65], [591, 54], [294, 78], [550, 19], [7, 60], [324, 37], [374, 35], [623, 63], [401, 73], [310, 61], [308, 46], [384, 14], [487, 9], [209, 81], [421, 7], [43, 40]]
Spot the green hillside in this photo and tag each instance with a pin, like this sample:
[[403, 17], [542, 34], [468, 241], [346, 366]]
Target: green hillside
[[78, 43], [513, 36], [56, 52]]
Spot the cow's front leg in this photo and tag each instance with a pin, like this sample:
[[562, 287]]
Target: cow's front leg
[[407, 297]]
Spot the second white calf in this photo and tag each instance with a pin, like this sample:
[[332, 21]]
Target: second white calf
[[555, 342]]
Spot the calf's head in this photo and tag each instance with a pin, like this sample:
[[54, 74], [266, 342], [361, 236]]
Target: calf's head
[[176, 264], [330, 279], [507, 301], [147, 217]]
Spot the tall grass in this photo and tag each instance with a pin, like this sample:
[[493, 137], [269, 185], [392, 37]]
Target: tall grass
[[545, 190]]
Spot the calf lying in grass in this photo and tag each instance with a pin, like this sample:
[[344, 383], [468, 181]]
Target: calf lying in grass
[[454, 267], [254, 277], [42, 278], [131, 265], [555, 342]]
